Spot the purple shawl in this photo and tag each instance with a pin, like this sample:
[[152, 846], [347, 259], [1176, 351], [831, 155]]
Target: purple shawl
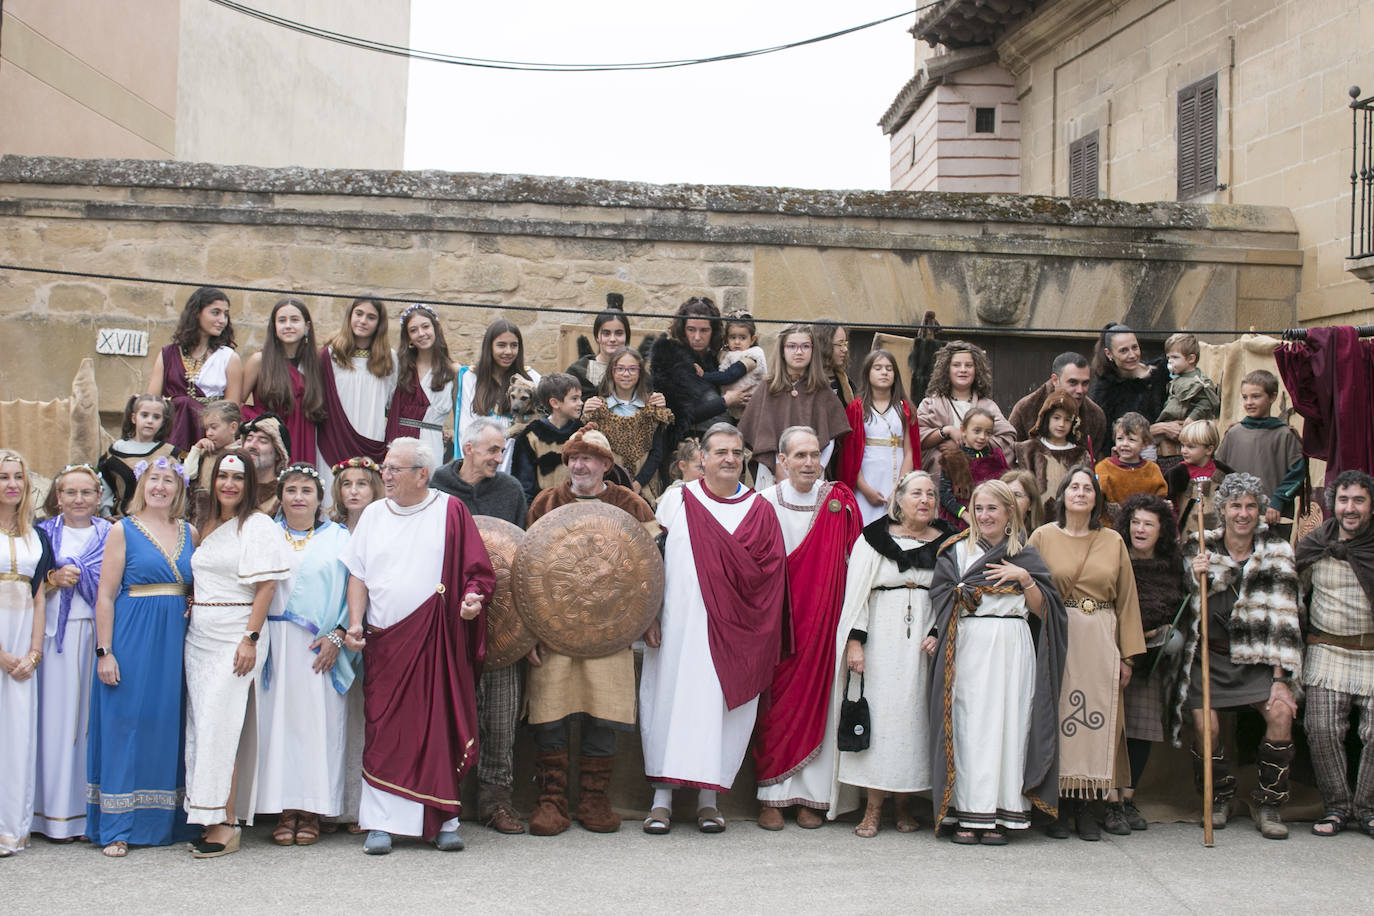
[[88, 563]]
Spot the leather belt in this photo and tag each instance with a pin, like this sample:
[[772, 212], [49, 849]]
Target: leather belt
[[1364, 641], [420, 424], [1089, 605]]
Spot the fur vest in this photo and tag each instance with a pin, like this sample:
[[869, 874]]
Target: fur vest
[[1264, 627], [691, 398]]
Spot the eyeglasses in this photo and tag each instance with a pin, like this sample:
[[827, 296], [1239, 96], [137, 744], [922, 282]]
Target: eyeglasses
[[841, 345], [797, 347], [626, 370], [390, 470], [84, 494]]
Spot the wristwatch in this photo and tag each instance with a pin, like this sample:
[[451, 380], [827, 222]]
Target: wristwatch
[[252, 636], [101, 652]]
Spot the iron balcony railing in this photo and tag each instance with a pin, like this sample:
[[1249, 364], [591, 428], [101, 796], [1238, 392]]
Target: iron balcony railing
[[1361, 175]]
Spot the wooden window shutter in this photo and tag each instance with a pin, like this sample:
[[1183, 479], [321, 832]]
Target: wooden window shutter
[[1197, 138], [1083, 166]]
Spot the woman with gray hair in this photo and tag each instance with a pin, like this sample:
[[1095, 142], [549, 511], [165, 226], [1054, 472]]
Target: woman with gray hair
[[886, 616], [1254, 644]]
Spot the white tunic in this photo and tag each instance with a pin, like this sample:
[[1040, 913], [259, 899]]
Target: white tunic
[[810, 784], [994, 689], [213, 377], [398, 552], [64, 706], [303, 720], [467, 390], [440, 406], [18, 699], [364, 398], [882, 462], [221, 718], [689, 736]]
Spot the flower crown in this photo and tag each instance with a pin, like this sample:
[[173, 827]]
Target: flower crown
[[162, 464], [419, 306], [306, 470], [78, 467], [360, 462]]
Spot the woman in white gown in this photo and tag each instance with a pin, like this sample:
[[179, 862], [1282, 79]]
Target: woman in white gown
[[885, 619], [484, 390], [422, 406], [362, 367], [1001, 633], [25, 559], [884, 445], [303, 715], [241, 557], [64, 683]]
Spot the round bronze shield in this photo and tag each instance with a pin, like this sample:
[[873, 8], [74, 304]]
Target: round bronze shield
[[589, 579], [508, 639]]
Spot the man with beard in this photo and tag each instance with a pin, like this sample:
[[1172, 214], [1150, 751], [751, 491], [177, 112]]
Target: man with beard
[[1070, 374], [1336, 569], [268, 441]]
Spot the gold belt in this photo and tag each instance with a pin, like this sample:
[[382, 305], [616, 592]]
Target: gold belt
[[1089, 605], [891, 440], [15, 577], [160, 590]]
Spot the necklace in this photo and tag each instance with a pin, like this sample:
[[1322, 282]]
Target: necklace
[[193, 364], [296, 543], [794, 383], [361, 353]]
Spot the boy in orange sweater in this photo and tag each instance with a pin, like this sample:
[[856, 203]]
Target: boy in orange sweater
[[1125, 473]]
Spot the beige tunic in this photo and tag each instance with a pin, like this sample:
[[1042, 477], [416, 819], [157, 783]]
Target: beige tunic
[[1092, 750]]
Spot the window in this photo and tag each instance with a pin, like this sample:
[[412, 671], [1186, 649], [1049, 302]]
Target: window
[[1083, 166], [984, 120], [1197, 138]]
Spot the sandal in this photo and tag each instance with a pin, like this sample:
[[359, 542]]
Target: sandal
[[659, 822], [1330, 824], [308, 830], [868, 827], [356, 829], [1366, 826], [964, 836], [997, 836], [907, 822], [116, 850], [710, 821], [285, 832]]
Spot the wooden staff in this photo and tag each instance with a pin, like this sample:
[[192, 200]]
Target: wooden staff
[[1206, 674]]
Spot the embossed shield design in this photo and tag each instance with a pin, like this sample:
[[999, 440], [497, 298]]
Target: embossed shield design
[[589, 579], [508, 639]]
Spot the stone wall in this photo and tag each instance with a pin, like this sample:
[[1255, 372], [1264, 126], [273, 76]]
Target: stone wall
[[504, 242], [1283, 130]]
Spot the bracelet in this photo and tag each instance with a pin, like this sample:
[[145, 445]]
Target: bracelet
[[34, 657], [334, 639]]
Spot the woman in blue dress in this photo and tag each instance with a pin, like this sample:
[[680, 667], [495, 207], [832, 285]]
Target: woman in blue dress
[[135, 764]]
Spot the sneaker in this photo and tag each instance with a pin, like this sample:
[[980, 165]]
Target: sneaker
[[1221, 814], [1133, 815], [1114, 821], [378, 843]]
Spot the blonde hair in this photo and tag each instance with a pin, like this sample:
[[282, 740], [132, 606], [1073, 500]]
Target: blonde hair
[[23, 516], [337, 512], [138, 502], [50, 507], [1016, 538], [1200, 432]]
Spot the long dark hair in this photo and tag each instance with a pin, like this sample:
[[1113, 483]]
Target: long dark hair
[[1061, 514], [940, 386], [273, 391], [866, 393], [1166, 548], [491, 396], [342, 344], [698, 307], [187, 333], [642, 388], [440, 363], [248, 504], [127, 429]]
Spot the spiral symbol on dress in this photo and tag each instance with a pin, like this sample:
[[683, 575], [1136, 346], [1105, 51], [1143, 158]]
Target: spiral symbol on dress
[[1079, 715]]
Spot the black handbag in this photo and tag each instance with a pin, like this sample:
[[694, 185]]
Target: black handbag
[[855, 727]]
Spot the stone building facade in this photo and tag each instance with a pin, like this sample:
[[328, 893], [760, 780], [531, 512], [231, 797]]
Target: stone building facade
[[191, 80], [523, 247], [1109, 78]]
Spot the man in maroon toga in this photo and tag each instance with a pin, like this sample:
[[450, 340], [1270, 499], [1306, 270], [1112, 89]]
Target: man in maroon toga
[[420, 578], [820, 522]]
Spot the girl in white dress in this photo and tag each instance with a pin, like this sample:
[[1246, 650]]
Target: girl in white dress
[[199, 365], [423, 403], [884, 446], [885, 619], [241, 557], [25, 559], [362, 365], [483, 391]]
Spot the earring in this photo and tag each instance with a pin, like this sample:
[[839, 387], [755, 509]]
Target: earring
[[1008, 531]]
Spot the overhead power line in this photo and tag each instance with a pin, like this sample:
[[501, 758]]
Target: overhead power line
[[945, 329], [382, 47]]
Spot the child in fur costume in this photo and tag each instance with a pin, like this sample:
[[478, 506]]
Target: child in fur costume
[[976, 460], [1054, 446]]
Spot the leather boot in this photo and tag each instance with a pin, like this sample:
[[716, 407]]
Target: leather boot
[[550, 816], [594, 810], [1275, 761], [1223, 786]]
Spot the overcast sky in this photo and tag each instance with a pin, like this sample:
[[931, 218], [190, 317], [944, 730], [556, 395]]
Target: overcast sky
[[802, 118]]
